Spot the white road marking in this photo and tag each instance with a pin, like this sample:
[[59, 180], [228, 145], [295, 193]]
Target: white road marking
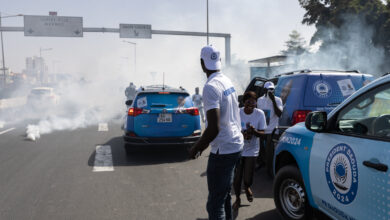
[[2, 123], [3, 132], [103, 127], [103, 159]]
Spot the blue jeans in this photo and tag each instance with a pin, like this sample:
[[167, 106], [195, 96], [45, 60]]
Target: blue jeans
[[220, 172]]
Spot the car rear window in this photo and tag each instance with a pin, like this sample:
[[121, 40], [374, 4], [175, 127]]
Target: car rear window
[[157, 100], [40, 92], [331, 90]]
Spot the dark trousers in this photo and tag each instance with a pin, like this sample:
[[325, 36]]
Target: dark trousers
[[220, 169], [244, 171], [264, 141]]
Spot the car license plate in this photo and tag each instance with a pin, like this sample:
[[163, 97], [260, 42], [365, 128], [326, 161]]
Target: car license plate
[[164, 118]]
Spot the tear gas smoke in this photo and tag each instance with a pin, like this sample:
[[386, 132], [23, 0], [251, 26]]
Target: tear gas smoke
[[349, 47]]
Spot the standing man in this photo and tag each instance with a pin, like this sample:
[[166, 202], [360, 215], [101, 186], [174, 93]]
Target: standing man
[[130, 91], [272, 107], [223, 133], [198, 101]]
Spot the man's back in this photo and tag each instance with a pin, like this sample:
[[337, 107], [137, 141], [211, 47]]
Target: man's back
[[219, 92]]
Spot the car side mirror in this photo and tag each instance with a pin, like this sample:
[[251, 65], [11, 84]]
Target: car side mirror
[[316, 121], [129, 102]]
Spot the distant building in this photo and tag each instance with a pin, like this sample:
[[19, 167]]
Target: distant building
[[270, 66], [36, 69]]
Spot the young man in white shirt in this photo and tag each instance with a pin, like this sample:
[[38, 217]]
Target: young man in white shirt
[[253, 125], [223, 133], [272, 107]]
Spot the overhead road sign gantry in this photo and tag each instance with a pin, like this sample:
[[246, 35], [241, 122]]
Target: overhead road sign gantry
[[135, 31], [73, 28], [53, 26]]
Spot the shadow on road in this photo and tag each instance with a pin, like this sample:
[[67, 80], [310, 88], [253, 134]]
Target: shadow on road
[[271, 214], [148, 155], [262, 184]]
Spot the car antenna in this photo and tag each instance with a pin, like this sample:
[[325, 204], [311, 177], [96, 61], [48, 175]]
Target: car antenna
[[163, 81]]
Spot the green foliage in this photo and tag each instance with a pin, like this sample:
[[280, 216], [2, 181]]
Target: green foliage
[[296, 45], [333, 17]]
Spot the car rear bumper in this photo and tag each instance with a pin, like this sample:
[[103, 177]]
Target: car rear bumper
[[189, 140]]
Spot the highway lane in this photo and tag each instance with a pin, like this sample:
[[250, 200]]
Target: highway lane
[[54, 178]]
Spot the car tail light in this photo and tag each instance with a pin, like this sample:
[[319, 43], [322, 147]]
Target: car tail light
[[196, 133], [135, 112], [299, 116], [192, 111], [131, 134]]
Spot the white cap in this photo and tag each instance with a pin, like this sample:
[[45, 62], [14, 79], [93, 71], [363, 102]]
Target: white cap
[[269, 85], [211, 58]]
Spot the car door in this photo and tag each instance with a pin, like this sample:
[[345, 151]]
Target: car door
[[348, 164]]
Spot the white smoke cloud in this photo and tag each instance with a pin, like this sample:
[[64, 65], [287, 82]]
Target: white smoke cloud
[[351, 49]]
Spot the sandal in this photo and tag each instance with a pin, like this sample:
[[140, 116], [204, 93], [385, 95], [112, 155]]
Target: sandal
[[249, 194], [236, 204]]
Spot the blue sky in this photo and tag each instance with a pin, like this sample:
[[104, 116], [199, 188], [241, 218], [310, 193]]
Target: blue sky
[[259, 28]]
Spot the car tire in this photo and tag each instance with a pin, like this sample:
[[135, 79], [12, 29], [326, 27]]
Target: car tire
[[290, 195]]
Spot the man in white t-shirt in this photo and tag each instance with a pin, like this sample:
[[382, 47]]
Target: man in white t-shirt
[[223, 133], [272, 107], [198, 102]]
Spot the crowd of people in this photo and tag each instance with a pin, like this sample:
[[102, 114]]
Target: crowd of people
[[239, 137]]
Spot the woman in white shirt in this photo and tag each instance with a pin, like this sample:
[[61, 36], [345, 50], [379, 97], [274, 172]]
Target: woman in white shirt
[[253, 124]]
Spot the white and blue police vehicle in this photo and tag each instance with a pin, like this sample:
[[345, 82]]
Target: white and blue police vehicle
[[338, 162]]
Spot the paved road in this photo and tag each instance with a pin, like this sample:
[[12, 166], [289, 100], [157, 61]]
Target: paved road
[[54, 178]]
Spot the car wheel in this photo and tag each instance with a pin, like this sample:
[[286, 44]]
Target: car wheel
[[290, 195]]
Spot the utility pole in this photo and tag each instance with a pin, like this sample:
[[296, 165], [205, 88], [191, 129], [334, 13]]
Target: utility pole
[[135, 55], [2, 55], [2, 44], [207, 22]]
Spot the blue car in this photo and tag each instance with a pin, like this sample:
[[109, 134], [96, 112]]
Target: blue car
[[161, 115], [311, 90], [338, 162], [318, 90]]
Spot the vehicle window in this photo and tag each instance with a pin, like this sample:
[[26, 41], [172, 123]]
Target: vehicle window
[[155, 100], [40, 92], [259, 83], [283, 89], [369, 115]]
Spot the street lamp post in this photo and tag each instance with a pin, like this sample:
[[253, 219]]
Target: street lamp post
[[207, 22], [135, 54], [2, 45]]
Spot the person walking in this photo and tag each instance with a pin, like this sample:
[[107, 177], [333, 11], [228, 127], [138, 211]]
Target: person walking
[[253, 125], [223, 133], [272, 107], [130, 91], [198, 102]]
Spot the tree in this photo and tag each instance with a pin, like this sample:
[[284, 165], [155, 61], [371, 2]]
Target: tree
[[296, 45], [334, 19]]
